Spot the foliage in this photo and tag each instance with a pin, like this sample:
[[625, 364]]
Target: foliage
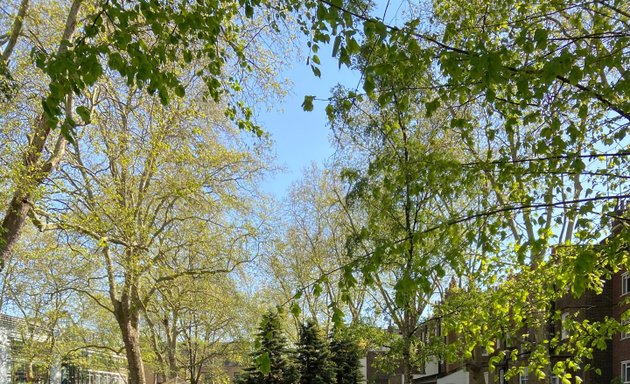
[[398, 200], [311, 248], [315, 361], [272, 360], [533, 97], [57, 53], [346, 358], [188, 335], [54, 323]]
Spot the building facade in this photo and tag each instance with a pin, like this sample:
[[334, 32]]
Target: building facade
[[14, 370], [608, 365]]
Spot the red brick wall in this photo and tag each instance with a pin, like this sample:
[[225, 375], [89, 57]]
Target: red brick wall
[[620, 348], [595, 308]]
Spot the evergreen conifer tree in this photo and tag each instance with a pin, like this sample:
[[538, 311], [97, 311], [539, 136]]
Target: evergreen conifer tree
[[314, 356], [271, 361], [345, 355]]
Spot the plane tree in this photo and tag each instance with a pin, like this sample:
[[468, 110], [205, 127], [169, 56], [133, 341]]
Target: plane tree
[[311, 250], [149, 195], [196, 325], [67, 47]]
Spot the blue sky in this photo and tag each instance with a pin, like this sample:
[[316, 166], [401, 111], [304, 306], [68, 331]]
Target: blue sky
[[300, 137]]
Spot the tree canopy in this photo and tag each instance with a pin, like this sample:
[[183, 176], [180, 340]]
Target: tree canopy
[[480, 172]]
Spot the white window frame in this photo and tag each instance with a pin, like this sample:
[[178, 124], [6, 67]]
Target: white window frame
[[625, 369], [624, 335], [555, 380], [564, 332], [625, 284], [523, 378]]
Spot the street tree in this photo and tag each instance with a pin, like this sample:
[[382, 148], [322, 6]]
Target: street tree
[[69, 46], [152, 194], [195, 325], [399, 198]]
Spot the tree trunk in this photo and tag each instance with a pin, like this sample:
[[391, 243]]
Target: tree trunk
[[12, 225], [173, 369], [406, 363], [172, 334], [128, 323], [476, 375], [34, 171], [476, 368]]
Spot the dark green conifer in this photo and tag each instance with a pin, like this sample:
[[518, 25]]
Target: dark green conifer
[[271, 360], [314, 356], [345, 355]]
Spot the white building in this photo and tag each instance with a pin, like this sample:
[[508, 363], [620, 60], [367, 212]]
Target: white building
[[12, 373]]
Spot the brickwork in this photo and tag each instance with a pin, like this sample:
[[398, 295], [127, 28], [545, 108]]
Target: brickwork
[[594, 307], [620, 350]]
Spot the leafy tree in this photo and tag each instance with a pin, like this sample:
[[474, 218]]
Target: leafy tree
[[314, 357], [188, 335], [312, 247], [531, 94], [55, 323], [151, 195], [399, 199], [70, 46], [272, 360]]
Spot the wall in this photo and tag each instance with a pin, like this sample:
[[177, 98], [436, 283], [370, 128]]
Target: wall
[[5, 374]]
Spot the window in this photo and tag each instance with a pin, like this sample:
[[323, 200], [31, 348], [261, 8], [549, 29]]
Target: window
[[555, 379], [625, 284], [501, 376], [523, 378], [625, 372], [565, 330], [625, 334]]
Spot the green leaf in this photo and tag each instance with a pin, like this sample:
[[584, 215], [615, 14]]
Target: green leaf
[[316, 71], [163, 96], [368, 84], [337, 317], [317, 290], [84, 113], [307, 104], [180, 91], [381, 30], [431, 107], [67, 130], [295, 309], [336, 45], [540, 37]]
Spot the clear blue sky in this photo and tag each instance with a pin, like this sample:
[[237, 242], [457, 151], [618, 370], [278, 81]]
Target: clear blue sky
[[300, 137]]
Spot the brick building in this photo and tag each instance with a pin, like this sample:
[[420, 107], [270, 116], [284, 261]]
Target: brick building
[[613, 362]]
